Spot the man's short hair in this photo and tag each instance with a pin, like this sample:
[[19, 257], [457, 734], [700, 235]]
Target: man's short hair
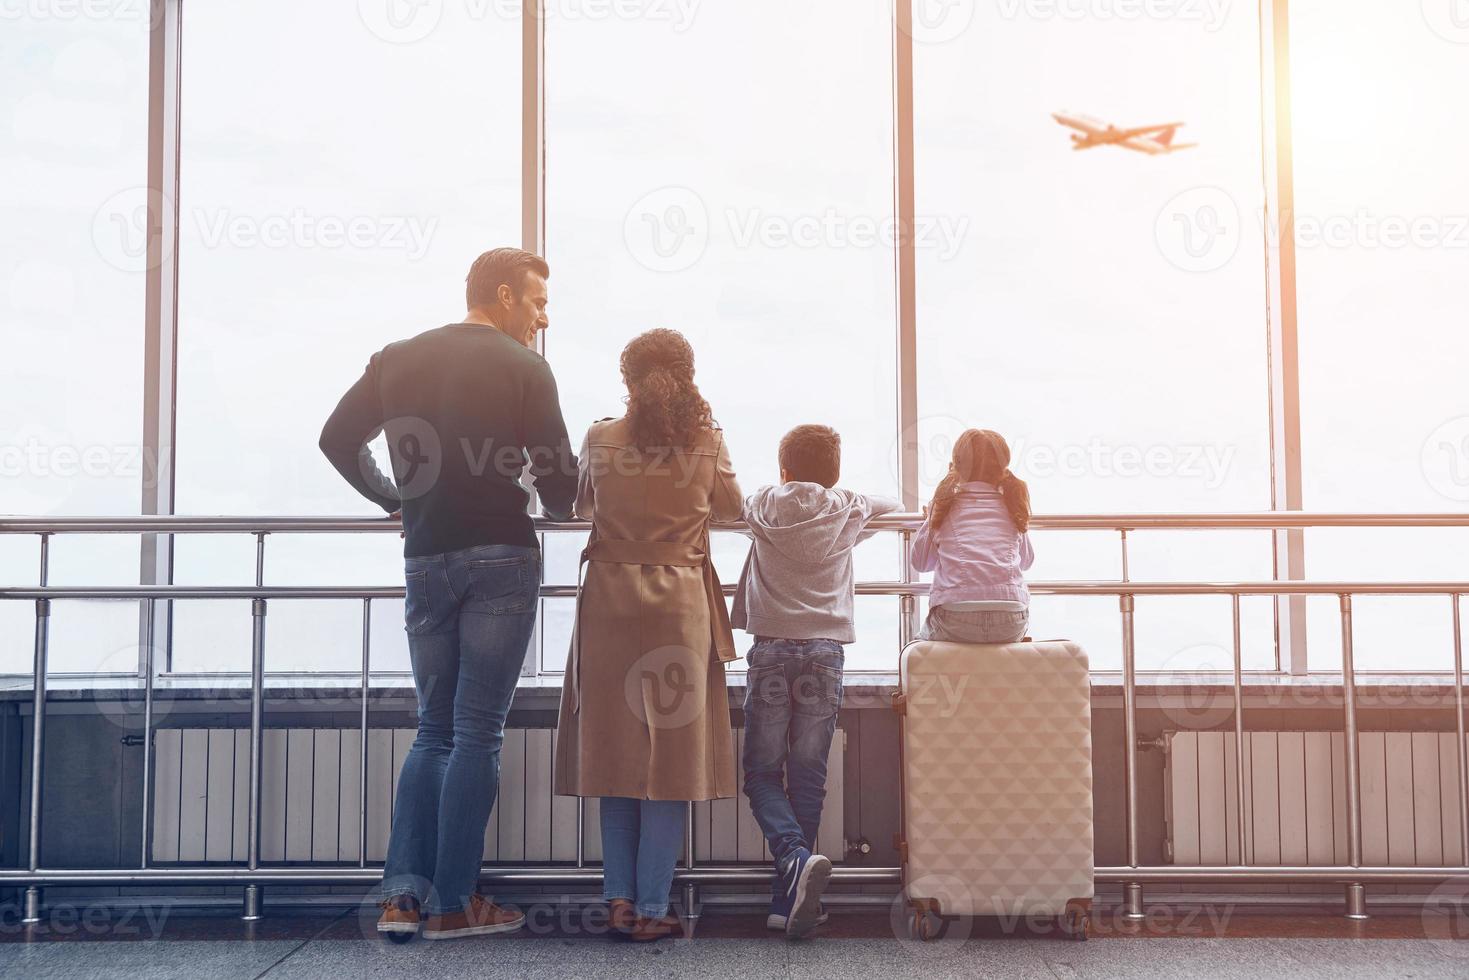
[[497, 267], [812, 454]]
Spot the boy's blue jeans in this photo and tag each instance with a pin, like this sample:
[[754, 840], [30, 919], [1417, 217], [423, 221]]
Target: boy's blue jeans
[[469, 616], [791, 701]]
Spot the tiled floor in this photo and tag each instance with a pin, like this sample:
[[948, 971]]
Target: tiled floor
[[569, 942]]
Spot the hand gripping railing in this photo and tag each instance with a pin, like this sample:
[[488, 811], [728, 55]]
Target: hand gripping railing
[[1354, 875]]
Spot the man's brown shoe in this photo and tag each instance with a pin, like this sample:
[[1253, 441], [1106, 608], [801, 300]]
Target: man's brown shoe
[[621, 915], [400, 915], [645, 930], [480, 918]]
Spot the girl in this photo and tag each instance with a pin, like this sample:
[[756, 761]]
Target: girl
[[974, 540]]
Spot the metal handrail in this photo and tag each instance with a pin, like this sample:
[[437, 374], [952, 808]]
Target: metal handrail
[[1261, 520], [1131, 876]]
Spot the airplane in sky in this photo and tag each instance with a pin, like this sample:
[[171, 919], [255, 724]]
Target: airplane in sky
[[1144, 139]]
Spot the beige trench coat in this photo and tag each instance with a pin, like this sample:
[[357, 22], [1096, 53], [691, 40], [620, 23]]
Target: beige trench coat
[[644, 709]]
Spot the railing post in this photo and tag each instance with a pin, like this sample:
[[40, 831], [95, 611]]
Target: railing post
[[1462, 774], [1356, 892], [257, 739], [907, 604], [1132, 891], [32, 910], [1239, 734], [362, 753], [146, 853], [690, 890]]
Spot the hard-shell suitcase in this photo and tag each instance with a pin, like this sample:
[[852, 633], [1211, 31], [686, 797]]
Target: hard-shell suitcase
[[996, 773]]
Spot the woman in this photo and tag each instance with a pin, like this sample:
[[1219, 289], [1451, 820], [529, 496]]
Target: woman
[[644, 712]]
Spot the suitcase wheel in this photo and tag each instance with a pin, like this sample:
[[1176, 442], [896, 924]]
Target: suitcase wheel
[[926, 926], [1076, 923]]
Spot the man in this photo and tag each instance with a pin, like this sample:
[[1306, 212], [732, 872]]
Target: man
[[463, 406]]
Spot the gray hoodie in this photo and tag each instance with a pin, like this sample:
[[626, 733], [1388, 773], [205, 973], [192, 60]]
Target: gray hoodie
[[797, 579]]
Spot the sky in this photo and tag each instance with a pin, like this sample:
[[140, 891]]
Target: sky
[[726, 169]]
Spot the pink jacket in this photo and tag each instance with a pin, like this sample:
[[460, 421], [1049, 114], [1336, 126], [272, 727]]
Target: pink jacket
[[977, 554]]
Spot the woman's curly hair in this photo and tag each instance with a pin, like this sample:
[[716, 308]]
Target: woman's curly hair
[[664, 407]]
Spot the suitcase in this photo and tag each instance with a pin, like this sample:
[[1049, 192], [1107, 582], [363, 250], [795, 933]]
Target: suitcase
[[996, 782]]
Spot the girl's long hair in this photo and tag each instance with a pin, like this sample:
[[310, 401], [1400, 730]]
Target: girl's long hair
[[982, 455], [664, 407]]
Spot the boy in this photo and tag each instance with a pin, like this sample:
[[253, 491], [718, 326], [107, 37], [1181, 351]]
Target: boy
[[796, 595]]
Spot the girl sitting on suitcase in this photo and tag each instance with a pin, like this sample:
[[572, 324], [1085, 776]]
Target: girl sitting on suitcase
[[974, 541]]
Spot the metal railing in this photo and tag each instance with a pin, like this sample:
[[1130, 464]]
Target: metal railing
[[1354, 875]]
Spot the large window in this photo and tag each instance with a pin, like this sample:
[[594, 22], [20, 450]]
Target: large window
[[73, 157], [1101, 308], [728, 169], [1382, 240], [709, 172], [341, 167]]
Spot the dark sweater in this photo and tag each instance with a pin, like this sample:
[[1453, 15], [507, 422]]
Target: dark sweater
[[462, 407]]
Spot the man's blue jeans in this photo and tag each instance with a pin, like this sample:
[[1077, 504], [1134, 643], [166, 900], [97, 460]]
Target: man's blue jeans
[[469, 616], [791, 701]]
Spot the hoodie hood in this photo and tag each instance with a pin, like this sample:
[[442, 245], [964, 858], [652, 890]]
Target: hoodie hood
[[806, 522]]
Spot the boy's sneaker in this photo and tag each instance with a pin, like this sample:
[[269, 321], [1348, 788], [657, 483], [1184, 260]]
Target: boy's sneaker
[[797, 898], [776, 921]]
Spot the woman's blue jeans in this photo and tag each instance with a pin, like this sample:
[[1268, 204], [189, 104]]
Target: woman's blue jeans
[[641, 840]]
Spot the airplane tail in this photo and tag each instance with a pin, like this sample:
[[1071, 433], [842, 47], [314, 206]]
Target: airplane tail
[[1166, 136]]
